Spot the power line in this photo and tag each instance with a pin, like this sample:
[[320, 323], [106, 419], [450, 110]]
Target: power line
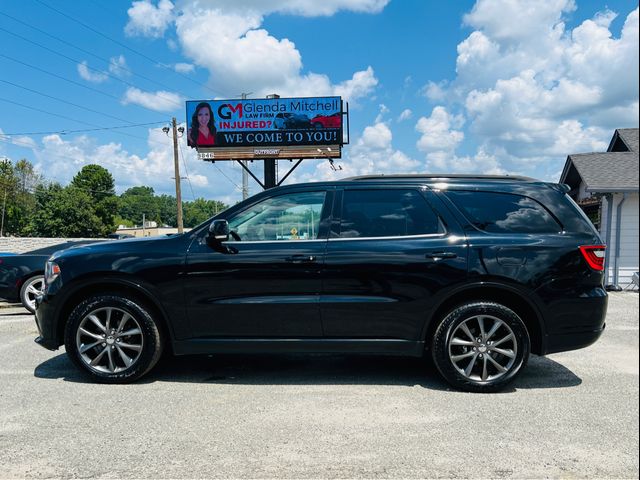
[[70, 81], [76, 61], [146, 57], [64, 78], [64, 101], [184, 164], [44, 111], [12, 141], [128, 168], [65, 132], [75, 120], [87, 52]]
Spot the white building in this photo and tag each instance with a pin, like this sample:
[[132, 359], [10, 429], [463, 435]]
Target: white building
[[605, 185]]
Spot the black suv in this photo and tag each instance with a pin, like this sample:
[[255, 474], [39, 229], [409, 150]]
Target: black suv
[[476, 271]]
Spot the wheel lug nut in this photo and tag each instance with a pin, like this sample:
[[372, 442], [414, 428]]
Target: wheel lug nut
[[480, 355], [104, 344]]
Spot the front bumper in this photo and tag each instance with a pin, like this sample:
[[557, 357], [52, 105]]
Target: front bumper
[[47, 331]]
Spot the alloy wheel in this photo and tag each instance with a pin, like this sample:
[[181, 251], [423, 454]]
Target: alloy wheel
[[483, 348], [33, 288], [109, 340]]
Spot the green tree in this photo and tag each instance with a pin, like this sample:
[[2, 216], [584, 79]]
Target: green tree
[[63, 212], [98, 183], [200, 210], [135, 202], [17, 183]]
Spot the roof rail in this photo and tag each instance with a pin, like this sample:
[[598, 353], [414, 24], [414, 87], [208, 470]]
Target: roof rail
[[431, 176]]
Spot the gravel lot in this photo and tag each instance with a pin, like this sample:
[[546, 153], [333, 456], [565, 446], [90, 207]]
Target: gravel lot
[[569, 415]]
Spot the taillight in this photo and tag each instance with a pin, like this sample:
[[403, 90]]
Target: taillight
[[594, 255]]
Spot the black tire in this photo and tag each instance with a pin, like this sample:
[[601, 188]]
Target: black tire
[[27, 291], [142, 346], [468, 359]]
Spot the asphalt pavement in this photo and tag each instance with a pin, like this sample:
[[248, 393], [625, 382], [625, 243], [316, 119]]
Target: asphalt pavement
[[569, 415]]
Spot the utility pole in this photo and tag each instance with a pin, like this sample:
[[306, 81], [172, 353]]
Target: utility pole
[[4, 202], [245, 175], [177, 173], [4, 206]]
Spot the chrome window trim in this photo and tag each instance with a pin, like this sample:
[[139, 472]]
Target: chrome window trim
[[396, 237], [247, 242]]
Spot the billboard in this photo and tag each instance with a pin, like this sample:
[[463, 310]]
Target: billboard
[[310, 127]]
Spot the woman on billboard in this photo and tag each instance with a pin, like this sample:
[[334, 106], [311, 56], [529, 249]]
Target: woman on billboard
[[202, 132]]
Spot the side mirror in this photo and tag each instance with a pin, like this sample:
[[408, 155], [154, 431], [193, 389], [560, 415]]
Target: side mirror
[[219, 231]]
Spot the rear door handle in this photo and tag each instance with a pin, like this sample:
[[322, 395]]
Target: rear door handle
[[300, 259], [440, 255]]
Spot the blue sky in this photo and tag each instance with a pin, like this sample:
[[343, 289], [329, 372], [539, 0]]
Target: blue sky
[[492, 86]]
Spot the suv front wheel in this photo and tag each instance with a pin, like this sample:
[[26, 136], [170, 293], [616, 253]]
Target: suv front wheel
[[481, 346], [112, 338]]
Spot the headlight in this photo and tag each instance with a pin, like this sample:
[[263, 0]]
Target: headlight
[[51, 272]]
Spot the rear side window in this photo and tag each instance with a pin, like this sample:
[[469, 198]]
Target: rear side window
[[504, 212], [387, 213]]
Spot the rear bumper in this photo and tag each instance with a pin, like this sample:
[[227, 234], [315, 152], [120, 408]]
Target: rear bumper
[[47, 331], [576, 322], [572, 341]]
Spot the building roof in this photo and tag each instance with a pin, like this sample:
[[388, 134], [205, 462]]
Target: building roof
[[615, 170], [602, 172], [624, 140]]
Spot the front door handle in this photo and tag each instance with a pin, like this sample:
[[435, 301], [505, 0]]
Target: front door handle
[[300, 259], [440, 255]]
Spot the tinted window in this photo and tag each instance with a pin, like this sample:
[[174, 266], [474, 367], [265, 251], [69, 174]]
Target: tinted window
[[386, 213], [504, 212], [295, 216]]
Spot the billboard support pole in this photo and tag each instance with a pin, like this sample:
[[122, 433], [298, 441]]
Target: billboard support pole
[[246, 169], [270, 180], [289, 172]]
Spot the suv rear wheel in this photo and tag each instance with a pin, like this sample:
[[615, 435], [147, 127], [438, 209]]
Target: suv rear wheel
[[481, 347], [112, 338]]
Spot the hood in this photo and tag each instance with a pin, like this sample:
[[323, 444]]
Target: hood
[[114, 246]]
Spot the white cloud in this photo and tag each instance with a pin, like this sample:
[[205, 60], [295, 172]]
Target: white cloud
[[118, 66], [437, 132], [405, 115], [372, 153], [532, 91], [246, 58], [90, 75], [59, 159], [184, 67], [160, 101], [149, 20], [307, 8]]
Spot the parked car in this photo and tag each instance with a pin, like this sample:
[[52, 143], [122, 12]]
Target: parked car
[[21, 276], [120, 236], [327, 121], [475, 272]]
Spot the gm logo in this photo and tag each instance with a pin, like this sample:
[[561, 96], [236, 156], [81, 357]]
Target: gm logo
[[225, 111]]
